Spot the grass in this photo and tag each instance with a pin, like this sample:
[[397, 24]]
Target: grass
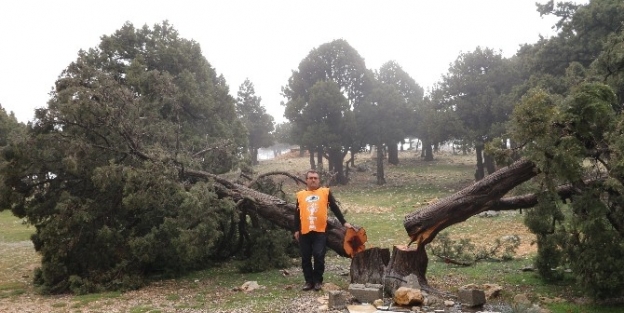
[[13, 229], [380, 209]]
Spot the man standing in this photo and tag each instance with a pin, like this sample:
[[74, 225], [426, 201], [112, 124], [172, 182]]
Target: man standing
[[311, 222]]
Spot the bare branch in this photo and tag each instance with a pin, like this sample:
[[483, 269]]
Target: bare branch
[[272, 173]]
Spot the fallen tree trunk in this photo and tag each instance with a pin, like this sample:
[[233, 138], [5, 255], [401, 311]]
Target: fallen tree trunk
[[423, 225], [273, 209]]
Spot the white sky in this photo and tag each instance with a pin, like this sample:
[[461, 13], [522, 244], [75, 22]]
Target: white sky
[[260, 40]]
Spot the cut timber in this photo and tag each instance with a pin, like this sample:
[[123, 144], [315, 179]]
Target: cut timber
[[369, 265], [404, 268], [423, 225], [354, 241]]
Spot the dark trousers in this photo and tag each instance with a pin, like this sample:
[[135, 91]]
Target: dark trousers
[[313, 245]]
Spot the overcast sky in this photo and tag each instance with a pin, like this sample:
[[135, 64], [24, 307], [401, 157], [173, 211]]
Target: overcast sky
[[260, 40]]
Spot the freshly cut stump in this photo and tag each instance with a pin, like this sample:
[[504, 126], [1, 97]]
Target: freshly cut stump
[[369, 265], [407, 267]]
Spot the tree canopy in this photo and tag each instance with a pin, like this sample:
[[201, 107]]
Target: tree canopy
[[99, 173], [253, 115], [335, 62]]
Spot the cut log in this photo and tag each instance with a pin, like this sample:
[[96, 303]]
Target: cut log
[[354, 241], [404, 268], [369, 265], [423, 225], [271, 208]]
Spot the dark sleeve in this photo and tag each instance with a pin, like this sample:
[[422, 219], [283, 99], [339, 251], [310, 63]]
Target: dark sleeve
[[297, 217], [335, 209]]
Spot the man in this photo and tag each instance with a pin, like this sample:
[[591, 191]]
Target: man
[[311, 223]]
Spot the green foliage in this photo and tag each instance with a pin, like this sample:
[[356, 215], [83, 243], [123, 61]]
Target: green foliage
[[461, 250], [268, 249], [99, 172], [259, 124], [573, 140], [465, 252], [330, 82]]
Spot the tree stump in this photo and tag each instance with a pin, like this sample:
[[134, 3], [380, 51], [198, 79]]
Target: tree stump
[[407, 268], [369, 265]]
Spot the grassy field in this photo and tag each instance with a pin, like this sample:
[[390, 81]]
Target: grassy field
[[380, 209]]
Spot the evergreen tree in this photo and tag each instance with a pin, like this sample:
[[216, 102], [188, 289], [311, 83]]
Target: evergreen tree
[[259, 124], [99, 174]]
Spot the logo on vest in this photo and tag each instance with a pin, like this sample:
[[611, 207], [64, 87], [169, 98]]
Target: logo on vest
[[312, 201]]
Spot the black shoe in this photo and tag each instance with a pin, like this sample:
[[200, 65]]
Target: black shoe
[[307, 286], [318, 286]]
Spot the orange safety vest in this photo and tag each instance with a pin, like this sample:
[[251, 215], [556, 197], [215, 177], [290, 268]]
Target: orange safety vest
[[313, 209]]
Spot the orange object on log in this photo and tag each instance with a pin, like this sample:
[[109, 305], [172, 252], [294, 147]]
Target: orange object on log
[[354, 241]]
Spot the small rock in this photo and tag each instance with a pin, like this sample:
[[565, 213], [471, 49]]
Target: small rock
[[250, 286], [489, 214], [377, 303], [522, 299], [471, 297], [492, 290], [408, 296], [449, 303]]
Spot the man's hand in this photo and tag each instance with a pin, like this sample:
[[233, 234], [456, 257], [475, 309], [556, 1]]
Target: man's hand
[[297, 235], [347, 225]]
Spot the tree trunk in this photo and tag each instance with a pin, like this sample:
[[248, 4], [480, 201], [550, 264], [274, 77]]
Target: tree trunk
[[479, 171], [312, 163], [369, 265], [301, 151], [254, 156], [423, 225], [404, 262], [319, 158], [380, 167], [271, 208], [428, 150], [337, 156], [393, 153], [490, 165]]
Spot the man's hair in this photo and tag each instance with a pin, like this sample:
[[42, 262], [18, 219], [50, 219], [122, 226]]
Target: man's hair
[[311, 171]]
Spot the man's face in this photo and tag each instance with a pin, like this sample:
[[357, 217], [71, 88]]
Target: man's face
[[312, 181]]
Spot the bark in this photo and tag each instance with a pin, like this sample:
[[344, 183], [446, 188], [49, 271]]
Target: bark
[[369, 265], [405, 261], [427, 222], [273, 209], [428, 150], [380, 168], [254, 156], [337, 156], [490, 165], [312, 163], [423, 225], [393, 153], [319, 158], [479, 171]]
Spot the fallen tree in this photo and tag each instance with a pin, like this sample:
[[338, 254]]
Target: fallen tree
[[271, 208], [423, 225]]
